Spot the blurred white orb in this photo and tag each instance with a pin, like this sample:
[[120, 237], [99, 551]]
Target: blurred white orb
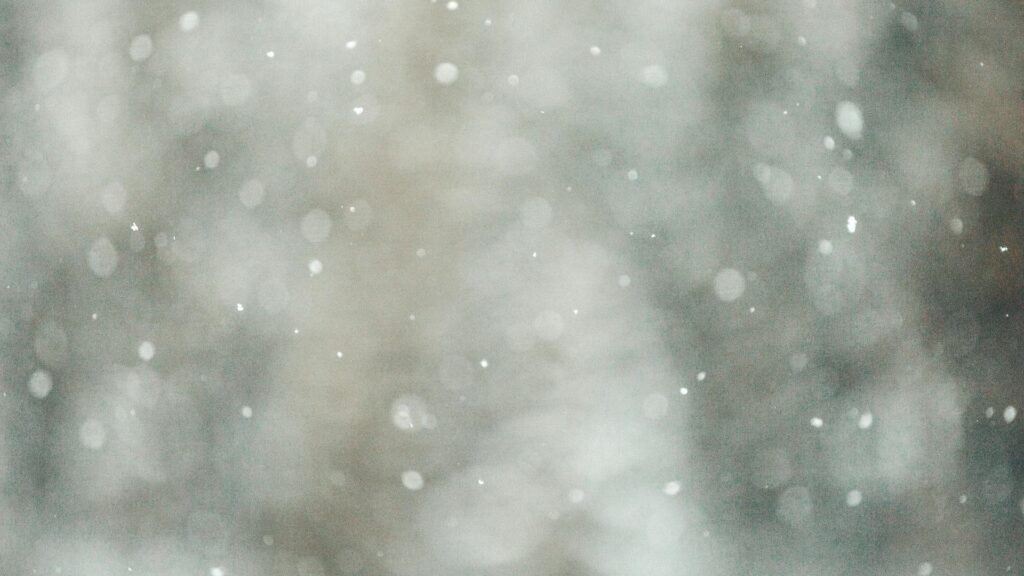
[[729, 284], [655, 406], [40, 384], [141, 47], [92, 434], [854, 498], [850, 120], [146, 351], [114, 197], [654, 76], [102, 257], [211, 159], [795, 505], [446, 73], [251, 193], [412, 480], [1010, 414], [188, 21], [316, 226], [410, 413]]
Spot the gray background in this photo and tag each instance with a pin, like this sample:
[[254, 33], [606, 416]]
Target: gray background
[[262, 314]]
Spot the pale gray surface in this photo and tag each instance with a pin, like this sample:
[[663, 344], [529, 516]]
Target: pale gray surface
[[656, 288]]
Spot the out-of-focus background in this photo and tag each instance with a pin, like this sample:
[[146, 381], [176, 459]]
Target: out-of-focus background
[[484, 287]]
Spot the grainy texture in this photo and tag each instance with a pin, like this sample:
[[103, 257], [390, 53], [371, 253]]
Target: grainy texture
[[536, 287]]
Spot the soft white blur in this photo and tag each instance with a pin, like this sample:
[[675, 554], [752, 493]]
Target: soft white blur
[[332, 287]]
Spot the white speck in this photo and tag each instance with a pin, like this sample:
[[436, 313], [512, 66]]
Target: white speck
[[753, 309], [701, 376], [851, 224], [357, 77], [188, 21], [654, 76], [452, 6], [358, 110], [850, 120], [865, 421], [315, 267], [351, 44], [817, 422], [513, 80], [487, 21], [830, 143], [729, 284], [824, 247], [146, 351], [141, 47], [624, 281], [92, 434], [595, 50], [134, 227], [412, 480], [632, 175], [854, 498], [801, 40], [339, 354], [216, 571], [40, 384], [246, 412], [239, 307], [420, 252], [924, 569], [212, 159], [962, 499], [270, 54], [412, 317], [684, 391], [446, 73], [575, 311], [1010, 414], [1004, 248], [311, 161], [480, 481], [672, 488], [484, 363], [990, 412]]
